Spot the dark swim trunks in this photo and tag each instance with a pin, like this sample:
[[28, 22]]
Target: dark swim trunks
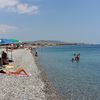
[[1, 71]]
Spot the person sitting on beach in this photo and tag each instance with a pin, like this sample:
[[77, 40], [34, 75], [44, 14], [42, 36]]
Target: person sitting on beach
[[17, 72], [36, 54], [4, 58]]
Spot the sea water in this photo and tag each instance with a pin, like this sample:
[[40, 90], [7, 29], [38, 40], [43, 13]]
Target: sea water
[[75, 80]]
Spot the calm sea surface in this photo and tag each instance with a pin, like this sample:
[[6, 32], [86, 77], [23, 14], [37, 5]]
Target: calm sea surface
[[76, 81]]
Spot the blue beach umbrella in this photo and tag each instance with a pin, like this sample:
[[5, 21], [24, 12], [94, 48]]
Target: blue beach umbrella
[[5, 41], [9, 41]]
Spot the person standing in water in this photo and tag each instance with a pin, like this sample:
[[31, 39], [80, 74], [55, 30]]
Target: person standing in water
[[72, 60], [77, 58]]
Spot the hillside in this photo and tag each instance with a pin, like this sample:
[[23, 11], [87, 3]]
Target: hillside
[[49, 43]]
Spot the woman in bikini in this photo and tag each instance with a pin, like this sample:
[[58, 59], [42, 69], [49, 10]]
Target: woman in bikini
[[17, 72]]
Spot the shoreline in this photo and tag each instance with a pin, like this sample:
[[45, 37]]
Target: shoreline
[[50, 91], [35, 87]]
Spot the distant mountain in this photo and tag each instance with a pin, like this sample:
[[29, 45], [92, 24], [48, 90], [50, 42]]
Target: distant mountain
[[50, 43]]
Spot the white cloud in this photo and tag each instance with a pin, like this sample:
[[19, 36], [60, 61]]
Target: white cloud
[[7, 28], [8, 3], [16, 6], [25, 8]]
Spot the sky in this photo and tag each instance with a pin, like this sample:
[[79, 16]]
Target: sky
[[64, 20]]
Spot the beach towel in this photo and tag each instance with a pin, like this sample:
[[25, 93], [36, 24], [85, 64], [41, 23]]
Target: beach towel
[[9, 66], [24, 75], [21, 74]]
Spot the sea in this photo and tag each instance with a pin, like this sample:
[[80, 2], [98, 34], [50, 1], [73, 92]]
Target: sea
[[74, 80]]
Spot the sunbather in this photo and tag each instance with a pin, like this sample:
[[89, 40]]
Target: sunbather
[[17, 72]]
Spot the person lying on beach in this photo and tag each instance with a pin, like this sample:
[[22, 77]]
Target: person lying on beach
[[17, 72]]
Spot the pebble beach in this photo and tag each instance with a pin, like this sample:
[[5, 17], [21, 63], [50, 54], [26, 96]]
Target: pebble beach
[[34, 87]]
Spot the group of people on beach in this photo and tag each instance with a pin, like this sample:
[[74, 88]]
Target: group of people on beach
[[5, 61], [76, 57]]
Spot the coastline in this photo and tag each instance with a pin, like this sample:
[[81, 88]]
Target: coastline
[[50, 91]]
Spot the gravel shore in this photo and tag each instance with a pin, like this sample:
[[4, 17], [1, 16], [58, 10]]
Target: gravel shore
[[25, 88]]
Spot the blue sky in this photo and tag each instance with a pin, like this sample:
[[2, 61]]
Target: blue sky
[[65, 20]]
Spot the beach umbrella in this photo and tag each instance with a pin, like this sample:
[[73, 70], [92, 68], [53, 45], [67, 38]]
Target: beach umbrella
[[15, 41], [9, 41], [5, 41]]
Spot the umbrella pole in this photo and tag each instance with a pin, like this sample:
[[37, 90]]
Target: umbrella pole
[[11, 55]]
